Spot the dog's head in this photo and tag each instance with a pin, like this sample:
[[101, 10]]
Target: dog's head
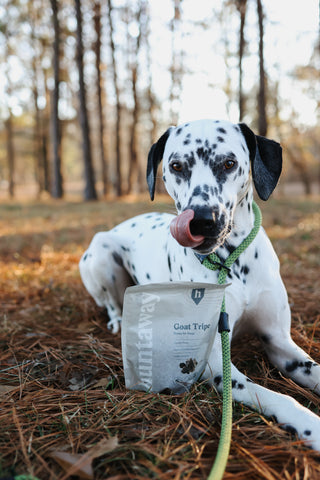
[[207, 169]]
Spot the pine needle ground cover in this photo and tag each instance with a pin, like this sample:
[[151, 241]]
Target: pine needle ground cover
[[65, 412]]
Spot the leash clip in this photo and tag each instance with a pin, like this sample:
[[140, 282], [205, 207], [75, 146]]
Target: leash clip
[[223, 323]]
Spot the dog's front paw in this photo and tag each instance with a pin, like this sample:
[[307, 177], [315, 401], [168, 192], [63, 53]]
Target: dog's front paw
[[306, 426], [114, 325], [311, 436]]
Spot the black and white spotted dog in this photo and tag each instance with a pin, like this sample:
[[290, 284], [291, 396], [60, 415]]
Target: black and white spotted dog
[[208, 168]]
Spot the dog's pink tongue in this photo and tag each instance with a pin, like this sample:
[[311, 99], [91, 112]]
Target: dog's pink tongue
[[180, 230]]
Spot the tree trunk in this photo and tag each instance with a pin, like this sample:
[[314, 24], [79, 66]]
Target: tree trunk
[[97, 49], [90, 190], [36, 61], [44, 154], [10, 155], [242, 7], [150, 96], [39, 173], [133, 151], [133, 154], [299, 162], [45, 137], [176, 65], [118, 105], [151, 99], [57, 180], [262, 120], [8, 122]]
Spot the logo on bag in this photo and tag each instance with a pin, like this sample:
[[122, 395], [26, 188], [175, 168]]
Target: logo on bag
[[197, 295]]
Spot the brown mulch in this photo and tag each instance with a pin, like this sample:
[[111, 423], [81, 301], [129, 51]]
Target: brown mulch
[[65, 412]]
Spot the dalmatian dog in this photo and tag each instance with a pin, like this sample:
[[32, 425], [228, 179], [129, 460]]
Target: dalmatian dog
[[209, 169]]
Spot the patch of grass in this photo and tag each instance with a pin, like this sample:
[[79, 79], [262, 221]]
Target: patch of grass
[[63, 368]]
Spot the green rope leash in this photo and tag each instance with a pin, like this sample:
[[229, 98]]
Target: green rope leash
[[213, 262], [25, 477]]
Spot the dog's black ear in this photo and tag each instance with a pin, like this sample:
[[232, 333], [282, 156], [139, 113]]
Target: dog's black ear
[[266, 161], [267, 166], [154, 158]]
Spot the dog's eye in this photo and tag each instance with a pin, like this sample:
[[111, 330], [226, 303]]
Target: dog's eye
[[228, 164], [176, 166]]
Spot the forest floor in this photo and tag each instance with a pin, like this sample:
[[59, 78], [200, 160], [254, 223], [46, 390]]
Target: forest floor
[[65, 412]]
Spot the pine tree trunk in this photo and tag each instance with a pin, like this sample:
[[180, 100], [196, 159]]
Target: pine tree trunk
[[37, 138], [10, 155], [299, 162], [8, 122], [37, 131], [176, 65], [118, 184], [90, 190], [97, 49], [45, 137], [242, 7], [262, 120], [57, 180], [134, 174], [133, 163]]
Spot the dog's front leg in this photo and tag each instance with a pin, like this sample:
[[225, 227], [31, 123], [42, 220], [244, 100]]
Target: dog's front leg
[[292, 416], [292, 361], [273, 323]]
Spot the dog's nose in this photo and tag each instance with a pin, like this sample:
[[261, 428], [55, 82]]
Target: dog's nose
[[203, 222]]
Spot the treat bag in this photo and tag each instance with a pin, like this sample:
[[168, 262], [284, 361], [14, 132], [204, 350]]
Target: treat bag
[[168, 331]]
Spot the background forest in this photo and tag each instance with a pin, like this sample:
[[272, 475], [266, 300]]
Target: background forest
[[87, 86]]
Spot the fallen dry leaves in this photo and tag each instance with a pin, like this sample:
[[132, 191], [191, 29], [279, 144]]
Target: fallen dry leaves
[[65, 412], [81, 464]]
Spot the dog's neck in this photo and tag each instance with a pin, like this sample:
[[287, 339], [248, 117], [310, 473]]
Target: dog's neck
[[243, 218]]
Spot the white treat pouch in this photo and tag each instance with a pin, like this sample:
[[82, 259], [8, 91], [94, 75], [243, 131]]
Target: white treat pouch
[[168, 331]]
